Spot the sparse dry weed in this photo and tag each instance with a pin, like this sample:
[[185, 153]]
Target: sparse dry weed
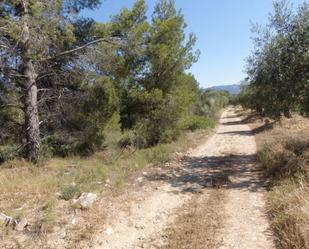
[[29, 191], [198, 222], [284, 155]]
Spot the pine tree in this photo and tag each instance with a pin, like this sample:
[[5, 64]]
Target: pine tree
[[40, 39]]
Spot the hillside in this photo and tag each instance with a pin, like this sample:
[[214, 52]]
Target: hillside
[[232, 89]]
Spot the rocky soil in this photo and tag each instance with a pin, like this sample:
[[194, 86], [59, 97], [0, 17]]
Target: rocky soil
[[212, 197]]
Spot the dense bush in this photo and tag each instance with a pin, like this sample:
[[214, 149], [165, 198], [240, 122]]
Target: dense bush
[[8, 152], [196, 122], [135, 81], [211, 102]]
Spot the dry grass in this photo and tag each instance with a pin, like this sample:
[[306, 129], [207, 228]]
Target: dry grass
[[28, 191], [198, 223], [289, 213], [284, 155]]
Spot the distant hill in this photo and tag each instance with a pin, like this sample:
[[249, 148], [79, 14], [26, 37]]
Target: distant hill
[[232, 89]]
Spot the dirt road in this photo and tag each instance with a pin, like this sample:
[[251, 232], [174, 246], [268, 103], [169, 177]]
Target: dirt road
[[212, 198]]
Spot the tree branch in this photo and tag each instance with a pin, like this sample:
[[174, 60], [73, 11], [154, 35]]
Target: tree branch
[[114, 40]]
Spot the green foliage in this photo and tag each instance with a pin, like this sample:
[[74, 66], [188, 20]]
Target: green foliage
[[69, 192], [11, 117], [92, 114], [8, 152], [134, 92], [196, 122], [127, 139], [211, 102], [57, 145], [85, 121], [155, 92], [277, 70]]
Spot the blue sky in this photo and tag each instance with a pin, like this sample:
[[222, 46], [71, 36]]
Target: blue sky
[[223, 33]]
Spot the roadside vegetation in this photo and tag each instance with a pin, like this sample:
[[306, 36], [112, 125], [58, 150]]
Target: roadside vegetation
[[287, 165], [95, 85], [277, 82], [46, 195], [283, 148], [277, 91], [84, 105]]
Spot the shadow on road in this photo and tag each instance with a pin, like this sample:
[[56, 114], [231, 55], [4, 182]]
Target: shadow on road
[[232, 123], [266, 126], [227, 171], [230, 171], [240, 133]]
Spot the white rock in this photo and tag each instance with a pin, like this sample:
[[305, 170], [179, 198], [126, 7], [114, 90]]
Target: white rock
[[21, 225], [87, 199], [73, 221], [140, 179], [63, 234], [109, 231]]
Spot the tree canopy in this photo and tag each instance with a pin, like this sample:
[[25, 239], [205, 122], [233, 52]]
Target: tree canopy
[[278, 68], [68, 82]]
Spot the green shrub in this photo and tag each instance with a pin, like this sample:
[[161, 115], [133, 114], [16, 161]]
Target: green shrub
[[8, 152], [88, 143], [58, 145], [112, 132], [195, 122], [126, 140], [46, 152], [149, 132], [88, 119], [152, 132], [145, 134], [82, 143], [69, 192]]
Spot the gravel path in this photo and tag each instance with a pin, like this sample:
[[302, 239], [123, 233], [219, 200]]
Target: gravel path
[[162, 217]]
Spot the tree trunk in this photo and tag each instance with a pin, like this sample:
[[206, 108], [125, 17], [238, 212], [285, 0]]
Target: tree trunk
[[32, 123], [31, 114]]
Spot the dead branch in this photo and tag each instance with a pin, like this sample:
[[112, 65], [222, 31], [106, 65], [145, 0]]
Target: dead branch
[[114, 41]]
